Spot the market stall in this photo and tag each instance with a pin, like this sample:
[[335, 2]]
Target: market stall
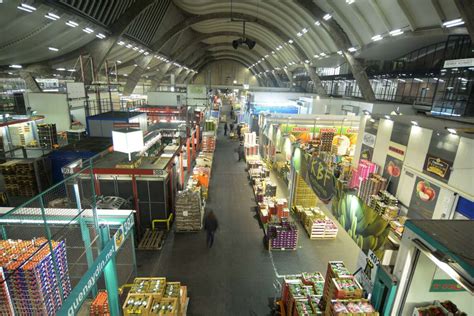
[[435, 269]]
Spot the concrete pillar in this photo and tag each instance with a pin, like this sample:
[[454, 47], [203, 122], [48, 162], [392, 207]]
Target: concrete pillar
[[136, 74], [30, 81], [316, 80], [358, 71], [466, 9], [289, 74]]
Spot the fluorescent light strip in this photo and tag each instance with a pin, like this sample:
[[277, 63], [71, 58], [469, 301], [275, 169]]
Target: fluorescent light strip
[[377, 37], [100, 35], [54, 49], [72, 24], [146, 53], [350, 1], [299, 34], [352, 49], [88, 30], [327, 17], [50, 17], [305, 30], [339, 52], [60, 69], [317, 23], [417, 79], [24, 5], [71, 70], [453, 22], [129, 46], [396, 32], [24, 9], [16, 66]]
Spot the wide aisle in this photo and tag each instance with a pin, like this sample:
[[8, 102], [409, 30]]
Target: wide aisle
[[235, 276]]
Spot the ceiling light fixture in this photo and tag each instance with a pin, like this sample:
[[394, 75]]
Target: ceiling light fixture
[[327, 17], [290, 41], [16, 66], [10, 73], [52, 16], [88, 30], [146, 53], [306, 61], [71, 70], [72, 24], [401, 80], [377, 37], [352, 49], [339, 52], [316, 56], [451, 130], [60, 69], [317, 23], [414, 123], [26, 7], [452, 23], [54, 49], [299, 34], [323, 54], [350, 1], [129, 46], [418, 79], [387, 117], [121, 43], [135, 48], [396, 32], [304, 30], [243, 40], [119, 62], [100, 35]]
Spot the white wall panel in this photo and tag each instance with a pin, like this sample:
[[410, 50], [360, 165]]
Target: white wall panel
[[53, 106], [444, 205], [166, 98], [382, 142], [363, 120], [418, 147], [405, 186], [462, 175]]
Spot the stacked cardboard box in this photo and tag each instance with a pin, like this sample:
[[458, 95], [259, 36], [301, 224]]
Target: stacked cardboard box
[[100, 305], [301, 294], [358, 307], [31, 277], [362, 172], [24, 177], [371, 186], [318, 225], [47, 135], [336, 269], [208, 142], [304, 195], [282, 236], [188, 212]]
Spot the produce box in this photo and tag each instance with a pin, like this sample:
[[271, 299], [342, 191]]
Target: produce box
[[351, 308], [137, 304], [344, 288], [149, 286], [303, 308], [164, 306], [100, 305]]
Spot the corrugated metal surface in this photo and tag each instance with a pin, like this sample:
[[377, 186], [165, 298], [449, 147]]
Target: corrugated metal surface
[[146, 24], [105, 12]]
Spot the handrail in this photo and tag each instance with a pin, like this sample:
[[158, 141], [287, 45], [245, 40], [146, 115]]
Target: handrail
[[167, 221]]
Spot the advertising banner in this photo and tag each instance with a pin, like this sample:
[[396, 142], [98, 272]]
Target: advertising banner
[[441, 154], [366, 152], [319, 177], [368, 265], [392, 172], [365, 226], [423, 199]]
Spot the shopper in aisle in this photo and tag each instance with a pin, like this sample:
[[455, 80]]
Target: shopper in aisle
[[225, 128], [210, 225], [239, 130], [231, 126], [240, 151]]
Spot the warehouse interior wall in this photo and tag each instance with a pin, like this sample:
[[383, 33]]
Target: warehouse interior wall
[[224, 72]]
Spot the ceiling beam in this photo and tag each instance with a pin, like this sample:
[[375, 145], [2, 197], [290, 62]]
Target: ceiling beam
[[466, 8], [439, 11], [378, 10], [407, 14]]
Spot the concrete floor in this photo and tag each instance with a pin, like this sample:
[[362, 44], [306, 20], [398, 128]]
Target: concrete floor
[[237, 276]]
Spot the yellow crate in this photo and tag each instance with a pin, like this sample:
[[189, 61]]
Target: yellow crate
[[170, 304], [149, 286], [137, 305]]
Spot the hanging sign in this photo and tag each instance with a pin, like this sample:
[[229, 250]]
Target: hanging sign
[[438, 166], [369, 140], [368, 265], [464, 62]]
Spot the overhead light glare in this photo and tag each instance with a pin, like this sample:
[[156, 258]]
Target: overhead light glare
[[71, 70], [88, 30], [24, 9], [60, 69], [72, 24], [146, 53], [414, 123], [27, 6], [418, 79], [396, 32], [327, 17], [451, 130], [121, 43], [129, 46], [135, 48], [377, 37], [54, 49], [339, 52], [299, 34], [350, 1], [352, 49], [453, 23], [304, 30], [401, 80], [323, 54], [306, 61], [317, 23], [100, 35], [52, 16], [290, 41], [16, 66], [387, 117]]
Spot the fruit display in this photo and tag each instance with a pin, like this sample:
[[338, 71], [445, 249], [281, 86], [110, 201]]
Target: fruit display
[[385, 204], [164, 307], [137, 304], [304, 195], [394, 169], [438, 308], [189, 212], [282, 236], [32, 283], [299, 294], [149, 286], [318, 225], [424, 191], [347, 287], [371, 186], [352, 308], [362, 172], [336, 269]]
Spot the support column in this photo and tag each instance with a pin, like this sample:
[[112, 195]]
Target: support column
[[316, 81], [134, 77], [466, 9], [358, 71], [289, 74], [110, 275], [30, 81]]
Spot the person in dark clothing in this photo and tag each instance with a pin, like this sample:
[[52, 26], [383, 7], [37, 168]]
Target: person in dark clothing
[[210, 225], [231, 126], [225, 129], [240, 151], [239, 128]]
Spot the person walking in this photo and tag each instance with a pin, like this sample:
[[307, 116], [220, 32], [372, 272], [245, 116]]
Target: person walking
[[210, 225], [240, 152], [231, 126], [225, 128], [239, 131]]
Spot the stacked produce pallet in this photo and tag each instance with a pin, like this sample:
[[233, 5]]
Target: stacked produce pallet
[[363, 171], [208, 142], [100, 305], [25, 178], [301, 294], [326, 140], [372, 186], [357, 307], [21, 134], [31, 275], [336, 269], [48, 136], [73, 136], [318, 225], [447, 308], [304, 195], [188, 211], [156, 296], [282, 236]]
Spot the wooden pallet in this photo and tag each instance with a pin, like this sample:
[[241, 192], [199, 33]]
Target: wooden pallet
[[152, 240], [187, 230]]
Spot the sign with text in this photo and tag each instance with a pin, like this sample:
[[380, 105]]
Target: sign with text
[[397, 151], [368, 265], [369, 140], [423, 200], [454, 63], [319, 177], [438, 167]]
